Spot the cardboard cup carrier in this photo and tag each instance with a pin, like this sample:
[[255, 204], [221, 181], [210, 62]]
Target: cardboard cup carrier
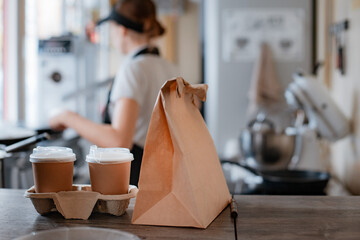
[[80, 202], [54, 189]]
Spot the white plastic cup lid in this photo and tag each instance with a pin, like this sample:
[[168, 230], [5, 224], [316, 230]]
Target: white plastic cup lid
[[109, 155], [52, 154]]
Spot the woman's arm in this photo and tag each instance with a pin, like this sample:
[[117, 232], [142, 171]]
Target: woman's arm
[[119, 134]]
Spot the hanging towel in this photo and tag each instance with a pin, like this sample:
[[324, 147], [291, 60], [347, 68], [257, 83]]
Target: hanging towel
[[265, 89]]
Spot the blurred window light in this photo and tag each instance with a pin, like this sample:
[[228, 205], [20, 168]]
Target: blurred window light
[[1, 59], [49, 18]]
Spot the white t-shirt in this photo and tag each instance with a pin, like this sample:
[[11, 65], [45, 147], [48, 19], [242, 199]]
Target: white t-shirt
[[140, 78]]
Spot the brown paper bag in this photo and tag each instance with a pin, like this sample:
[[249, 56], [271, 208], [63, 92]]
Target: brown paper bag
[[181, 180]]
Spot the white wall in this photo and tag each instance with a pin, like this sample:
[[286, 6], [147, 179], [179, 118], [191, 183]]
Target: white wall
[[346, 91], [188, 44]]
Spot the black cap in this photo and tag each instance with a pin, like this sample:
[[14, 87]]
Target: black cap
[[122, 20]]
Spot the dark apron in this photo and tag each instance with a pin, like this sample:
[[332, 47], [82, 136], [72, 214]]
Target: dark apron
[[136, 150]]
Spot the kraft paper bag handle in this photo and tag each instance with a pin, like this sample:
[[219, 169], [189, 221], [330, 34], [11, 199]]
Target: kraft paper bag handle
[[198, 90]]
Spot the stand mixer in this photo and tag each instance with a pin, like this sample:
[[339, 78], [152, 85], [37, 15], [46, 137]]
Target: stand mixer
[[325, 120], [298, 146], [294, 150]]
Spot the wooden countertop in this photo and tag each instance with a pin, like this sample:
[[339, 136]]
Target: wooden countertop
[[298, 217], [260, 217], [19, 217]]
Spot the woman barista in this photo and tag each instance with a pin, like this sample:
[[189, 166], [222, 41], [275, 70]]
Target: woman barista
[[136, 85]]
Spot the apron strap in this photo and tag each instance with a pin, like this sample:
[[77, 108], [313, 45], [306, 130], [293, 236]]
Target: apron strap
[[106, 113]]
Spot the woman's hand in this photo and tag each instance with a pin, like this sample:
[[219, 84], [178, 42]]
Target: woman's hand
[[90, 32], [58, 122]]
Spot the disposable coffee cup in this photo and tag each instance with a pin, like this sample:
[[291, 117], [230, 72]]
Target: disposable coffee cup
[[52, 169], [109, 170]]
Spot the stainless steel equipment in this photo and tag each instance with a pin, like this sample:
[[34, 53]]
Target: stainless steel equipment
[[5, 152], [66, 64], [58, 74], [265, 149]]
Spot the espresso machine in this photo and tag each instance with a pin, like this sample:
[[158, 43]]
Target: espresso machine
[[60, 70]]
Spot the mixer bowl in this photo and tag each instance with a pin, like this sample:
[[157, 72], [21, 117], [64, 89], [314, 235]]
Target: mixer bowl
[[267, 150]]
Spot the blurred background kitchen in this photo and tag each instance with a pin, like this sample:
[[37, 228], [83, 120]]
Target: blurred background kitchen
[[282, 75]]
